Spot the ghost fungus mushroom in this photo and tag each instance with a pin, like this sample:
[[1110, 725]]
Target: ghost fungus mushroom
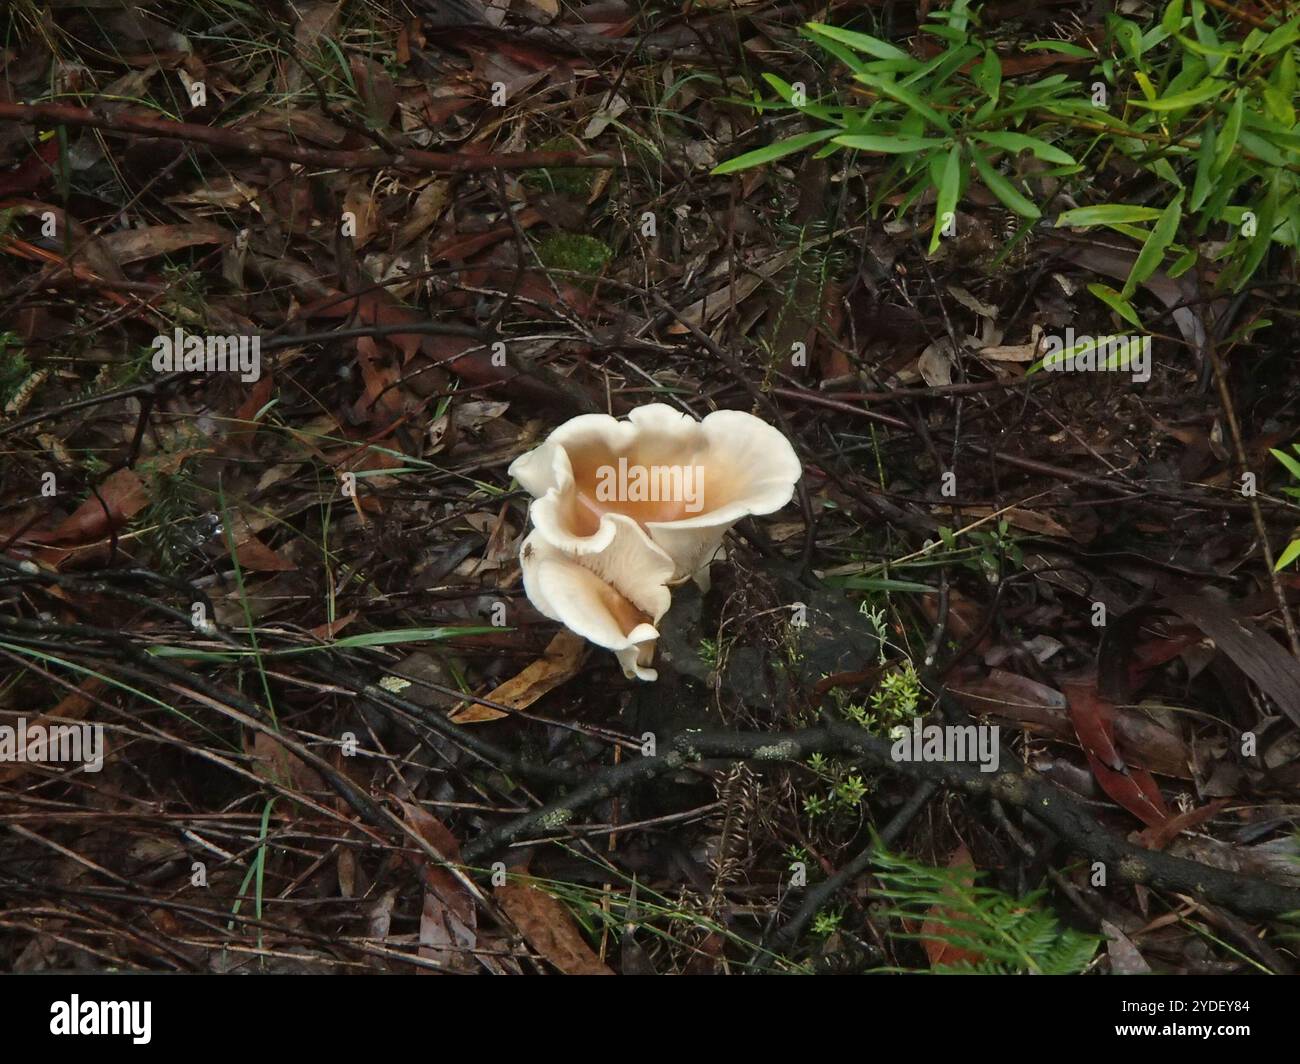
[[618, 611], [623, 510]]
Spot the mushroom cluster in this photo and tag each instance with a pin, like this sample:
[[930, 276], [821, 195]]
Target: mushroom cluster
[[623, 511]]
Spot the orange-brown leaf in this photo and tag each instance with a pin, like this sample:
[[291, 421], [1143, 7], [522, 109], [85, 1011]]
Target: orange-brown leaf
[[1132, 787], [549, 929]]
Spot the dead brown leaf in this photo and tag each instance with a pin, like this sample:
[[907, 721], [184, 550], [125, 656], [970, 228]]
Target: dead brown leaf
[[136, 245], [273, 761], [549, 929], [73, 707], [1131, 786], [123, 494], [449, 920], [937, 923], [1029, 520], [427, 209], [561, 661]]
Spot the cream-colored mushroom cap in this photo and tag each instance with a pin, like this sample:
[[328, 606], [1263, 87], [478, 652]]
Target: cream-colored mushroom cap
[[639, 505], [619, 613]]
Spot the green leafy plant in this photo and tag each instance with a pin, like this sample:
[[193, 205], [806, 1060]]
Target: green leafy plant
[[897, 696], [1292, 550], [1204, 109], [814, 805], [879, 621], [1011, 935], [938, 118], [893, 702], [850, 791], [845, 788], [990, 550], [1215, 123], [168, 521]]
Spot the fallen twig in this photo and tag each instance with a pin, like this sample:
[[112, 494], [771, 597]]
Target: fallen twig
[[1015, 785], [254, 142]]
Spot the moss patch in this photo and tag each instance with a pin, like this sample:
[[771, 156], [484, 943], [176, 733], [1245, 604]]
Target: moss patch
[[570, 180], [574, 251]]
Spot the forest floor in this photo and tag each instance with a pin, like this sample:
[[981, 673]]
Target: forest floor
[[337, 737]]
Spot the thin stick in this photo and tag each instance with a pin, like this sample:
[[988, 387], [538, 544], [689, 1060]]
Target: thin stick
[[253, 142]]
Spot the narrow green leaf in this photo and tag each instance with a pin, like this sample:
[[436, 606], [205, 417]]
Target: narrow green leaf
[[1228, 138], [899, 145], [1219, 52], [1148, 89], [1279, 106], [1002, 188], [1185, 262], [368, 639], [1064, 47], [1106, 214], [1263, 149], [883, 583], [949, 189], [770, 152], [1292, 466], [988, 74], [846, 55], [1290, 554], [1116, 302], [1238, 336], [1207, 90], [1263, 236], [1133, 232], [1286, 34], [1153, 251], [1203, 184], [859, 41], [1129, 36], [786, 91], [409, 635], [1172, 19], [907, 98], [881, 67], [1162, 169], [1284, 74], [1204, 33], [1016, 142]]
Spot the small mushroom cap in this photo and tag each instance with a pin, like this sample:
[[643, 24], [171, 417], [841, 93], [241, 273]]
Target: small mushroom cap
[[564, 590]]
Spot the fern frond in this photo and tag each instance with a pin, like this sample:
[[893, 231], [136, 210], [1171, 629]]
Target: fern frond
[[1010, 935]]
